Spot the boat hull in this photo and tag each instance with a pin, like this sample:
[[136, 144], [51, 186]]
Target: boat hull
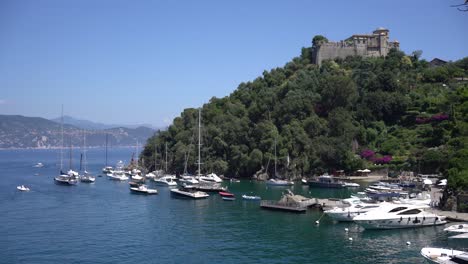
[[403, 222]]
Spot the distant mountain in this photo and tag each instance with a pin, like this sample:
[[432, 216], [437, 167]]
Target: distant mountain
[[35, 132], [86, 124]]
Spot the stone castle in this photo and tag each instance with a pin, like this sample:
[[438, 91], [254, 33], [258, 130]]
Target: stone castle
[[366, 45]]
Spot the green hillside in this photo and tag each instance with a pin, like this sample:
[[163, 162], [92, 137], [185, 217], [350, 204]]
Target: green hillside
[[395, 112]]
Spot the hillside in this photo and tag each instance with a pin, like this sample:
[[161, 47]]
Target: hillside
[[89, 125], [35, 132], [395, 112]]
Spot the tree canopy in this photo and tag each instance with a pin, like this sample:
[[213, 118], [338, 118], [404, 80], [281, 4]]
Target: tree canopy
[[394, 112]]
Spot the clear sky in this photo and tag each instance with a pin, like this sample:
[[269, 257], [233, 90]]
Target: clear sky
[[133, 62]]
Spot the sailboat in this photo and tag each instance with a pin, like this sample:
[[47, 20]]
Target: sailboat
[[212, 177], [166, 179], [64, 178], [107, 169], [277, 182], [86, 177], [184, 190]]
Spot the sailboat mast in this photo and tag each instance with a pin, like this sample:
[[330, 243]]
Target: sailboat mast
[[275, 157], [199, 141], [166, 158], [155, 153], [84, 150], [107, 138], [61, 142], [71, 150]]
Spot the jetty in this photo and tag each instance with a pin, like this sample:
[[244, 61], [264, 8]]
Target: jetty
[[297, 203]]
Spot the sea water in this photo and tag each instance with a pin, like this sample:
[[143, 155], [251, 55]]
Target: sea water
[[104, 222]]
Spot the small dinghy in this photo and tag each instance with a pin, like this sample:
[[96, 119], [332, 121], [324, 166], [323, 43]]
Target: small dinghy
[[22, 188], [251, 197], [227, 196]]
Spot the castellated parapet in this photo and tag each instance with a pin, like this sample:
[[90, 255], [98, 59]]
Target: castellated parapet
[[366, 45]]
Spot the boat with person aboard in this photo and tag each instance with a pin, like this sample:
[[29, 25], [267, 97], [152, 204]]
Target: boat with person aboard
[[444, 255]]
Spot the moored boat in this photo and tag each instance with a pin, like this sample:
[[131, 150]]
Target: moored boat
[[251, 197], [278, 182], [22, 188], [392, 216], [325, 181], [460, 228], [346, 214], [143, 189], [444, 255], [189, 193]]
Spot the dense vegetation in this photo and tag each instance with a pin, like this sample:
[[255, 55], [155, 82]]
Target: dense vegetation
[[395, 112]]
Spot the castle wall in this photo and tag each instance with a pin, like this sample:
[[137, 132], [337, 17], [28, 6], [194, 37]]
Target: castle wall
[[333, 50], [374, 45]]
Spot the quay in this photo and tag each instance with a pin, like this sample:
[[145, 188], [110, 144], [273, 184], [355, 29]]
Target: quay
[[274, 205]]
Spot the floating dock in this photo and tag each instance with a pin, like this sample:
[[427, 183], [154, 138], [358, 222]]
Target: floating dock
[[274, 205]]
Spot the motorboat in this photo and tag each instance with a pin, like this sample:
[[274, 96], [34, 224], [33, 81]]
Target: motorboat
[[351, 184], [325, 181], [137, 177], [304, 181], [234, 180], [150, 175], [22, 188], [88, 178], [189, 193], [165, 181], [460, 228], [225, 198], [444, 255], [383, 186], [346, 214], [392, 216], [188, 180], [278, 182], [251, 197], [460, 236], [210, 178], [143, 189], [65, 179], [118, 174], [38, 165], [107, 169]]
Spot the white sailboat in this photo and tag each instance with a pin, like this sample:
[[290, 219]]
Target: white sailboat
[[166, 179], [107, 169], [86, 177], [278, 182], [188, 192], [65, 178]]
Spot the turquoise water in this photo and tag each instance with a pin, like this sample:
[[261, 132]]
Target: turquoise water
[[104, 223]]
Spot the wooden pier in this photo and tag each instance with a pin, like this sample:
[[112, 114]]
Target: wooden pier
[[274, 205]]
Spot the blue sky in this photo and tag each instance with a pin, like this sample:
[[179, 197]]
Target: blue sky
[[133, 62]]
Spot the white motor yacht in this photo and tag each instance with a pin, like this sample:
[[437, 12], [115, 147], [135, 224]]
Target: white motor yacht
[[346, 214], [38, 165], [190, 180], [189, 193], [444, 255], [65, 179], [118, 174], [22, 188], [166, 180], [107, 169], [143, 189], [392, 216], [278, 182], [460, 228], [210, 178]]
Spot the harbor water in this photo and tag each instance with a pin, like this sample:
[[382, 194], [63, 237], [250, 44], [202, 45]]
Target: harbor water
[[105, 223]]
